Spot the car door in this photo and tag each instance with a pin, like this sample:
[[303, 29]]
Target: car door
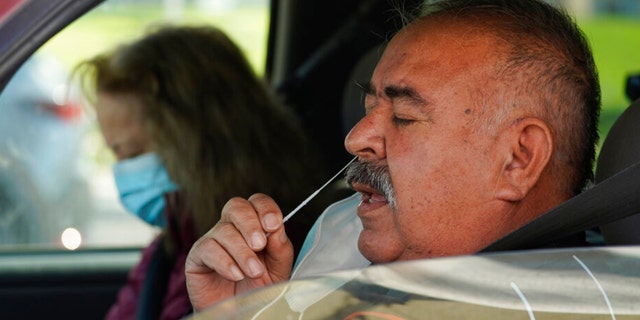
[[66, 242]]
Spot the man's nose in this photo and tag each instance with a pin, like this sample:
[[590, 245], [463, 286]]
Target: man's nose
[[366, 139]]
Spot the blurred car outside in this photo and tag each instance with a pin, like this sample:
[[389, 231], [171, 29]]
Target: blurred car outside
[[46, 185], [41, 179]]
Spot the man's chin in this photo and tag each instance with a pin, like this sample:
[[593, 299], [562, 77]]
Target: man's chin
[[375, 247]]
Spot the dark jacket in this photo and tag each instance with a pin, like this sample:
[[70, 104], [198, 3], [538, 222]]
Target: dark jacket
[[156, 287]]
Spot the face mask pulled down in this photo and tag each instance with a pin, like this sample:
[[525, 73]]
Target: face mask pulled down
[[142, 182]]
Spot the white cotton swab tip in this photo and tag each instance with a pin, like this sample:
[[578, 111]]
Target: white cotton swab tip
[[315, 193]]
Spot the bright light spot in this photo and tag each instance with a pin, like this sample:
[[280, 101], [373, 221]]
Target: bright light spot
[[71, 238], [59, 94]]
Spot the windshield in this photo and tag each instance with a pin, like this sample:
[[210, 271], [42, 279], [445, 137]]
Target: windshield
[[559, 284]]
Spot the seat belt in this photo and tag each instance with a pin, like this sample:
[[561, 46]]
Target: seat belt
[[155, 283], [612, 199]]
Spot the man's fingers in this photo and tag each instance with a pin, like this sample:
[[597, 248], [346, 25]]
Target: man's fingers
[[244, 217], [278, 255], [268, 212], [208, 255], [278, 251], [254, 218], [236, 253], [208, 266]]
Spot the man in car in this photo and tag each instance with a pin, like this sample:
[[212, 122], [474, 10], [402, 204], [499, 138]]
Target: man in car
[[480, 117]]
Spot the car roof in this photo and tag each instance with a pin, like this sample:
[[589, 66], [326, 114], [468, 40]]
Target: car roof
[[27, 24]]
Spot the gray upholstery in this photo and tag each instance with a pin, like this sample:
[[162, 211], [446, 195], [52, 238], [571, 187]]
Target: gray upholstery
[[352, 99], [621, 149]]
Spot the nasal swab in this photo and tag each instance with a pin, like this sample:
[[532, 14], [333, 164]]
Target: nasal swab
[[313, 195]]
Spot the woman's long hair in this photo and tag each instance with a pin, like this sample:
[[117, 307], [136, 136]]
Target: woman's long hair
[[213, 122]]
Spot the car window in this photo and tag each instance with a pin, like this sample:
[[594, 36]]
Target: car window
[[611, 28], [56, 184]]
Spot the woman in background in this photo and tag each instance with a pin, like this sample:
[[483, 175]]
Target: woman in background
[[191, 127]]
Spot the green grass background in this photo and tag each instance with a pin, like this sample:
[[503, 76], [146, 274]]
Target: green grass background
[[615, 42], [109, 26]]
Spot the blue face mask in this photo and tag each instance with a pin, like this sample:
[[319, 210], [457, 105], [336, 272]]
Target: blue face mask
[[142, 181]]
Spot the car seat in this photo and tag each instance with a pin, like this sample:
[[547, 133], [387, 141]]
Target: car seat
[[621, 149], [352, 97]]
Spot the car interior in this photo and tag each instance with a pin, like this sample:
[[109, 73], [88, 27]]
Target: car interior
[[618, 153], [317, 53]]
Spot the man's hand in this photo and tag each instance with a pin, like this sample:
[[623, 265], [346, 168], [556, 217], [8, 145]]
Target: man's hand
[[236, 255]]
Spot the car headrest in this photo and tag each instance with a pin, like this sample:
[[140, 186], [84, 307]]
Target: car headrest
[[621, 149], [352, 98]]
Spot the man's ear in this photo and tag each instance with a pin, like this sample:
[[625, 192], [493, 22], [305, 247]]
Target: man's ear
[[528, 149]]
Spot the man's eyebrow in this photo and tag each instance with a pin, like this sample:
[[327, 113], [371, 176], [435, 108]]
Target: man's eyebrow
[[397, 92]]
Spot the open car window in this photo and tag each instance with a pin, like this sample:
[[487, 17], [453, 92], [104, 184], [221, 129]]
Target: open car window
[[56, 184], [55, 172]]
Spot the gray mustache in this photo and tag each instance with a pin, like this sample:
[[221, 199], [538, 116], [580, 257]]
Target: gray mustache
[[373, 175]]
